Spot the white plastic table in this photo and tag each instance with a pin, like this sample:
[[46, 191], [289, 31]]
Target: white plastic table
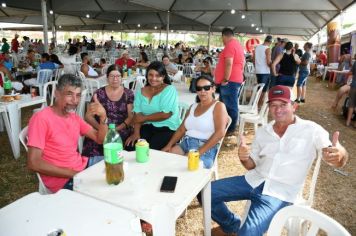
[[11, 114], [74, 213], [140, 191]]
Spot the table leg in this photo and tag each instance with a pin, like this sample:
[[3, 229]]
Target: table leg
[[206, 197], [12, 126], [163, 220]]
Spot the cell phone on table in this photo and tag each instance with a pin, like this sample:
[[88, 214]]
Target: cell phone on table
[[169, 184]]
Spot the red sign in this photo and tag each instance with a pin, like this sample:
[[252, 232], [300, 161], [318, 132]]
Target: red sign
[[251, 44]]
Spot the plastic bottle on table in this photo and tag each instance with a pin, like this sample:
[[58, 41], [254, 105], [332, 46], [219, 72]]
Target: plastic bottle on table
[[7, 86], [113, 156]]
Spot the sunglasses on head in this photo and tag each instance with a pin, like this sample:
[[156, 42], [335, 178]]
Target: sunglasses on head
[[206, 87]]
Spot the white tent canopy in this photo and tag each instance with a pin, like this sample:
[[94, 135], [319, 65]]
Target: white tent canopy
[[301, 18]]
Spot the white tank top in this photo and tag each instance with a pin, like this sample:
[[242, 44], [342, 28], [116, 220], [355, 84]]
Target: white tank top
[[201, 127], [260, 60]]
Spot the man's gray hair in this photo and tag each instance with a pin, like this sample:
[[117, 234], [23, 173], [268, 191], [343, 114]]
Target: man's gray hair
[[69, 80]]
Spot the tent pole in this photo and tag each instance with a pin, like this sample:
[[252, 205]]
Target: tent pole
[[54, 30], [45, 26], [168, 13], [209, 38]]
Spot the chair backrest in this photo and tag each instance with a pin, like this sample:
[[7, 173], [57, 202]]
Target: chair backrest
[[138, 83], [42, 189], [81, 107], [180, 67], [187, 70], [317, 219], [58, 73], [43, 76], [315, 170], [216, 165], [183, 108], [241, 91], [48, 91]]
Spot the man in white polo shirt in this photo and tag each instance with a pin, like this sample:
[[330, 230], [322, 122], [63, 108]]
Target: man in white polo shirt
[[278, 164]]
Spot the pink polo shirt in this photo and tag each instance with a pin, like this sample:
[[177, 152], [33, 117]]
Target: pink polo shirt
[[234, 50], [58, 137]]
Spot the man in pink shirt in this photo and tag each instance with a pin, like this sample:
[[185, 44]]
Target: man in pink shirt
[[229, 74], [53, 135]]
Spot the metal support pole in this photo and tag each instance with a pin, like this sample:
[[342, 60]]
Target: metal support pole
[[209, 38], [168, 13], [54, 30], [45, 26]]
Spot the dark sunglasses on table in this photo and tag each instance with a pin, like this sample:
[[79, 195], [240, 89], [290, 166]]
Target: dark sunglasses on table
[[206, 87]]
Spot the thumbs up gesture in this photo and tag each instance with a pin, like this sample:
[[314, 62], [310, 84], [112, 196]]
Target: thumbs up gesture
[[95, 108], [243, 152], [334, 154]]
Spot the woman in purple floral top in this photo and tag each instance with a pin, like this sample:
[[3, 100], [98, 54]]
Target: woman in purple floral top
[[118, 103]]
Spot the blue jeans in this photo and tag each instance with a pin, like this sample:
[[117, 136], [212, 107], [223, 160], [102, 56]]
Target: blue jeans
[[228, 95], [91, 161], [286, 80], [302, 78], [264, 78], [260, 214], [208, 157]]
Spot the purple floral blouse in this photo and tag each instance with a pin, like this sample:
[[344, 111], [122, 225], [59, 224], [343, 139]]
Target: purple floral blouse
[[116, 112]]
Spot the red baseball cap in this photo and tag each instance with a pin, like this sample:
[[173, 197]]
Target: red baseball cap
[[279, 92]]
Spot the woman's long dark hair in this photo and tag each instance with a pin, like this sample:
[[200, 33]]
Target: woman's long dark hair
[[208, 78], [161, 69], [144, 56]]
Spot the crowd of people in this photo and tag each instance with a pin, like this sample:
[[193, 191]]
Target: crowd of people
[[272, 181]]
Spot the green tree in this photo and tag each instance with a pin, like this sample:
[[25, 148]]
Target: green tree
[[148, 38]]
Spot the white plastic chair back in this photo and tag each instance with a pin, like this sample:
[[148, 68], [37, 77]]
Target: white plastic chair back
[[58, 73], [317, 219], [104, 70], [180, 67], [240, 92], [187, 70], [252, 106], [42, 189], [216, 164], [81, 107], [183, 108], [139, 83], [43, 76]]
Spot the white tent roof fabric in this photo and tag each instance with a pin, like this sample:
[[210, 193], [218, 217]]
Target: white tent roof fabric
[[301, 18]]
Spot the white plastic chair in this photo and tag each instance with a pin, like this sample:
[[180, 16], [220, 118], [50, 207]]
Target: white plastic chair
[[187, 70], [216, 165], [42, 189], [138, 83], [91, 85], [43, 76], [183, 108], [257, 119], [317, 219], [296, 225], [252, 106], [80, 112], [48, 92], [58, 73]]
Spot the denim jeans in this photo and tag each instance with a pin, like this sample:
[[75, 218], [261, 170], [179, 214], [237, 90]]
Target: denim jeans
[[91, 161], [260, 214], [286, 80], [273, 81], [193, 143], [264, 78], [228, 95], [302, 78]]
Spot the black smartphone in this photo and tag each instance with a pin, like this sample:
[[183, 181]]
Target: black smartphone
[[169, 184]]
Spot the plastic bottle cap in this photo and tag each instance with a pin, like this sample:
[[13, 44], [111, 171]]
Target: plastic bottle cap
[[111, 126]]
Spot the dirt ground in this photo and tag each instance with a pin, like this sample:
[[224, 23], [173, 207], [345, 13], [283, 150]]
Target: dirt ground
[[334, 196]]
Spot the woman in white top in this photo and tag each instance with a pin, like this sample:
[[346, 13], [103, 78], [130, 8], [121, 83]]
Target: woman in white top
[[203, 126], [87, 70]]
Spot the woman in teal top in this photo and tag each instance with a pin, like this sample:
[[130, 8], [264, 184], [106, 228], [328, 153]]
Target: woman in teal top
[[156, 115]]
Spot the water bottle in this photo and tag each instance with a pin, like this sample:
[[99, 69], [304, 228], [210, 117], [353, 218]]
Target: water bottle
[[7, 86], [113, 156]]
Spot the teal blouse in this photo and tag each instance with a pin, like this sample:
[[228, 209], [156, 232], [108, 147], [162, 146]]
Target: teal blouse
[[166, 101]]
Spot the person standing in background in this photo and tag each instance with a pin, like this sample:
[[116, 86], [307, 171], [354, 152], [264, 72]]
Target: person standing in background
[[15, 44], [304, 71], [229, 75], [262, 60]]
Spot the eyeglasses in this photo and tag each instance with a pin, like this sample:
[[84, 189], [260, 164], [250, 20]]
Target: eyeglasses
[[206, 87], [114, 76]]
